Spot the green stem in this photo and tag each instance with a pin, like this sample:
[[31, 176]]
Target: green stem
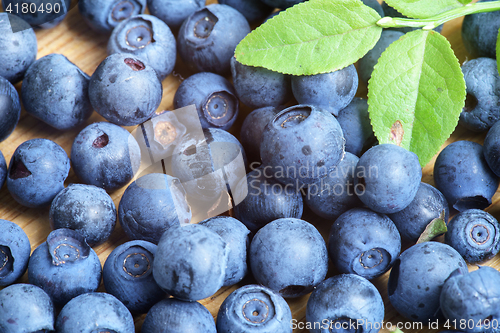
[[432, 22]]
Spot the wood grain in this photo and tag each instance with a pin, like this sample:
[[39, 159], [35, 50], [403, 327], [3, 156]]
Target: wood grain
[[87, 49]]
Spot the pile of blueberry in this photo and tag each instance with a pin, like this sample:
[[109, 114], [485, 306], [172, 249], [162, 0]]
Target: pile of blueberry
[[307, 148]]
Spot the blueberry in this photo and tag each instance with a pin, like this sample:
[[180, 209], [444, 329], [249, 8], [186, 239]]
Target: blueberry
[[429, 204], [363, 242], [10, 109], [475, 234], [37, 171], [25, 308], [104, 15], [417, 278], [178, 316], [267, 200], [208, 37], [128, 275], [253, 11], [370, 59], [64, 266], [85, 208], [237, 239], [345, 300], [334, 194], [463, 176], [387, 178], [151, 205], [473, 298], [95, 312], [259, 87], [15, 252], [105, 155], [289, 256], [55, 91], [301, 144], [482, 105], [332, 91], [147, 37], [254, 308], [209, 167], [479, 33], [190, 262], [19, 47], [37, 13], [125, 89], [213, 96], [282, 3], [491, 148], [252, 128], [3, 169], [174, 12], [355, 123]]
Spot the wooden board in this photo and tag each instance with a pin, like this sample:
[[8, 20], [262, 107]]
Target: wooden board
[[87, 49]]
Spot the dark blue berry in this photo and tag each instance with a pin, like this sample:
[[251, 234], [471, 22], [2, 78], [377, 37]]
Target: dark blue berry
[[104, 15]]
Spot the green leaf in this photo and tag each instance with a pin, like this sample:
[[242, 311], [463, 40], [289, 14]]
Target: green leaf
[[416, 93], [498, 51], [435, 228], [425, 8], [316, 36]]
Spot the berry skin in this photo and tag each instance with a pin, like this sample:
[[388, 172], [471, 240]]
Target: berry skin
[[475, 234], [37, 172], [334, 194], [87, 209], [174, 12], [267, 200], [147, 37], [254, 11], [105, 155], [237, 238], [55, 91], [364, 242], [387, 178], [208, 37], [31, 307], [252, 128], [254, 308], [10, 109], [258, 87], [417, 278], [125, 89], [474, 298], [128, 275], [355, 123], [19, 47], [103, 15], [330, 91], [151, 205], [64, 266], [86, 312], [491, 148], [463, 176], [190, 262], [429, 203], [15, 252], [341, 301], [282, 3], [289, 256], [479, 33], [370, 59], [214, 98], [482, 108], [178, 316], [301, 144]]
